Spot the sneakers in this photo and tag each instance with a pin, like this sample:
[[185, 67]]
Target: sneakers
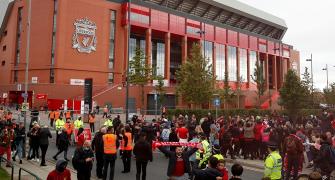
[[37, 160]]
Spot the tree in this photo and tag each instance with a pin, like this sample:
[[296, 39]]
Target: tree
[[139, 71], [293, 94], [307, 84], [259, 79], [227, 94], [160, 90], [329, 94], [195, 80], [239, 90]]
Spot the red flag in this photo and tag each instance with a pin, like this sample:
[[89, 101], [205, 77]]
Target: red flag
[[41, 96]]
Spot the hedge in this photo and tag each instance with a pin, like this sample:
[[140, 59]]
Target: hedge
[[241, 112]]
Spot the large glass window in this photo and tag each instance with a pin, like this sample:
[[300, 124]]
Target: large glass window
[[112, 41], [110, 77], [53, 45], [220, 61], [252, 62], [243, 65], [135, 42], [139, 18], [158, 58], [18, 36], [232, 67], [208, 51]]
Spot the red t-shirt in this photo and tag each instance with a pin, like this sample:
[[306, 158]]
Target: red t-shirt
[[81, 140], [182, 132], [258, 131], [54, 175], [179, 170]]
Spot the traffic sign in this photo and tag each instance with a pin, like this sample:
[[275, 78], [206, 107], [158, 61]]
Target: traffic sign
[[25, 107], [24, 95], [217, 102]]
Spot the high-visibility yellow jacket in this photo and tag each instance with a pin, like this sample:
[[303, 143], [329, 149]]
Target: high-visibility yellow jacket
[[78, 124], [108, 123], [273, 166], [59, 124], [205, 154]]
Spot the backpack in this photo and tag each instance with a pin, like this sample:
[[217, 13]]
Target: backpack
[[165, 134], [75, 161], [226, 137], [291, 145]]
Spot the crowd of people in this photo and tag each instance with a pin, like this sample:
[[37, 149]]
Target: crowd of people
[[196, 147]]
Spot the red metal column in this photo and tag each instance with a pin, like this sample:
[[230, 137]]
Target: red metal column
[[148, 46], [184, 49], [274, 72], [248, 68], [266, 61], [167, 55], [214, 59]]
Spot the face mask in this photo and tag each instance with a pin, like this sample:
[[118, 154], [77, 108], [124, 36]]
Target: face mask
[[86, 148]]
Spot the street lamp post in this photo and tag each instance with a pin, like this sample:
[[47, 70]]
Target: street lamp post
[[311, 60], [26, 78], [326, 69], [127, 74]]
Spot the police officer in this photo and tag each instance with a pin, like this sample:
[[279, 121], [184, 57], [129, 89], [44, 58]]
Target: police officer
[[126, 145], [59, 126], [108, 122], [217, 153], [203, 154], [273, 163], [111, 143], [78, 123]]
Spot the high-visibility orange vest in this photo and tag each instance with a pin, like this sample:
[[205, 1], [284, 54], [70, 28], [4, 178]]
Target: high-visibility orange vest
[[129, 144], [91, 119], [68, 127], [68, 115], [57, 114], [52, 115], [109, 143]]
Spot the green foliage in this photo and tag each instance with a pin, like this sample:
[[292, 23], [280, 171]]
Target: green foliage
[[329, 94], [195, 79], [226, 94], [199, 113], [307, 84], [160, 90], [259, 79], [293, 94], [139, 71]]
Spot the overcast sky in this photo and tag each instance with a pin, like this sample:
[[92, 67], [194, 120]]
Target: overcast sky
[[311, 29]]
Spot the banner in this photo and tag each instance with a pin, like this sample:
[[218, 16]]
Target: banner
[[156, 144], [41, 96], [87, 134]]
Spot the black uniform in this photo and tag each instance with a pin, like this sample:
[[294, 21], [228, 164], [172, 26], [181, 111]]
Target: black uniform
[[98, 147], [83, 168]]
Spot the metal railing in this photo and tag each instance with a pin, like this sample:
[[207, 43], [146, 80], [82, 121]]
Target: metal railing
[[2, 159], [29, 172]]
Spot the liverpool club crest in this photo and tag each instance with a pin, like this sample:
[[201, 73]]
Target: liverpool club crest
[[84, 38]]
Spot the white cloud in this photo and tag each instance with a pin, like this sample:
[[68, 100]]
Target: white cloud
[[311, 29]]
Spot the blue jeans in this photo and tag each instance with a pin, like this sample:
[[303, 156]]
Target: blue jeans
[[19, 147]]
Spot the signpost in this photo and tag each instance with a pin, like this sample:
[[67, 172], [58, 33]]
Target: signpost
[[216, 103], [25, 107]]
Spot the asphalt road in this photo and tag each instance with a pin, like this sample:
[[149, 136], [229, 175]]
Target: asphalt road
[[156, 170]]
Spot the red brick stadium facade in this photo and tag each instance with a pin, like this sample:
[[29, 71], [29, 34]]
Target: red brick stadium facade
[[78, 39]]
